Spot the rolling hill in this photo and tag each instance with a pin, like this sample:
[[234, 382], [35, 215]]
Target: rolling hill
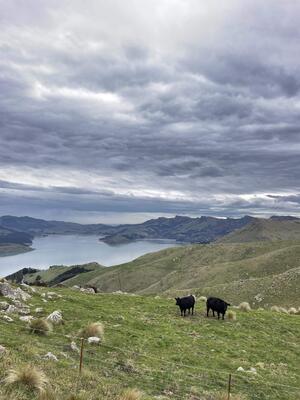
[[266, 230], [263, 273]]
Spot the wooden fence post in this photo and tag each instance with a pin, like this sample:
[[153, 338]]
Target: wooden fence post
[[229, 387], [81, 356]]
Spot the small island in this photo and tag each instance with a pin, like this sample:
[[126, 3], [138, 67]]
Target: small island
[[114, 240]]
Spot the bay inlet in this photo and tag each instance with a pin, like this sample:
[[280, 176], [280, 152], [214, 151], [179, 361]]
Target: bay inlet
[[78, 249]]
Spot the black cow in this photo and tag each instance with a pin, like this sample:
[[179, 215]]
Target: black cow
[[186, 303], [218, 305]]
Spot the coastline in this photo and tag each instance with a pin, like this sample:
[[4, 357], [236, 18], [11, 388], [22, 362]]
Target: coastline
[[12, 249]]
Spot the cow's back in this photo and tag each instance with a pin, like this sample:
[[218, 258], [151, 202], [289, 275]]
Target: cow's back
[[216, 304]]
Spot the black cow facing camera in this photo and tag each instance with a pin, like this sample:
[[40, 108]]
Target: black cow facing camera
[[186, 303], [218, 305]]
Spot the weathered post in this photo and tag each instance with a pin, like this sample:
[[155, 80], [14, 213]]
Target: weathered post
[[81, 356], [229, 387]]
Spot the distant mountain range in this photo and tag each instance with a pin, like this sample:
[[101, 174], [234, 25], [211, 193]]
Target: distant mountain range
[[21, 230]]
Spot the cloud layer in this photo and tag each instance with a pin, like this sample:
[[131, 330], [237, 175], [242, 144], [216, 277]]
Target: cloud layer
[[169, 106]]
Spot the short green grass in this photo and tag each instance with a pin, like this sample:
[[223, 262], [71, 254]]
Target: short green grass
[[149, 346]]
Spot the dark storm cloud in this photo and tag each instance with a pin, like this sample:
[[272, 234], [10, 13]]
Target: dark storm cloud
[[170, 107]]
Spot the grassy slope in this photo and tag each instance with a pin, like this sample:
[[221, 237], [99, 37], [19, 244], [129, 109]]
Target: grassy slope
[[237, 271], [57, 270], [265, 230], [147, 345]]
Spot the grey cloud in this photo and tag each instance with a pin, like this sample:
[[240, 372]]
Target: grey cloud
[[184, 111]]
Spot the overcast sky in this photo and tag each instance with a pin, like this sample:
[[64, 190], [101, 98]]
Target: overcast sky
[[118, 111]]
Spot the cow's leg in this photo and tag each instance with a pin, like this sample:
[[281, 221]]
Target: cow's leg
[[223, 316], [218, 315], [184, 312], [193, 310], [213, 312], [207, 311]]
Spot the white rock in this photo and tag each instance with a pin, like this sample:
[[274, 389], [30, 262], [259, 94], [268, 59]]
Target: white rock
[[50, 356], [39, 310], [24, 311], [76, 287], [28, 288], [45, 301], [55, 317], [12, 309], [2, 350], [88, 290], [240, 369], [4, 305], [8, 291], [26, 318], [258, 298], [52, 295], [93, 340], [252, 370], [7, 318], [19, 304], [73, 347]]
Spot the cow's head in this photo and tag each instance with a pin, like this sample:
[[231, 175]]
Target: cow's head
[[177, 301]]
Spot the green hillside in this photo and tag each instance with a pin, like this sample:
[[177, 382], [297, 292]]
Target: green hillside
[[147, 345], [237, 271], [265, 230]]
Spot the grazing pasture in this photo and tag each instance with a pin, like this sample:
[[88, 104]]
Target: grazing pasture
[[148, 346]]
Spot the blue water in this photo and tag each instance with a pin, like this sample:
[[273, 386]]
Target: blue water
[[76, 249]]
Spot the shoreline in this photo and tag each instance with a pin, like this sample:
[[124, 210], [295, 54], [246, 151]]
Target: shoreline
[[12, 249]]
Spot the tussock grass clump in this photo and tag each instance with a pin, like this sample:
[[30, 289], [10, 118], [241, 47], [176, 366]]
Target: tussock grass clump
[[292, 310], [40, 326], [29, 377], [283, 310], [244, 306], [95, 329], [231, 315], [131, 394], [48, 395], [275, 308], [202, 298]]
